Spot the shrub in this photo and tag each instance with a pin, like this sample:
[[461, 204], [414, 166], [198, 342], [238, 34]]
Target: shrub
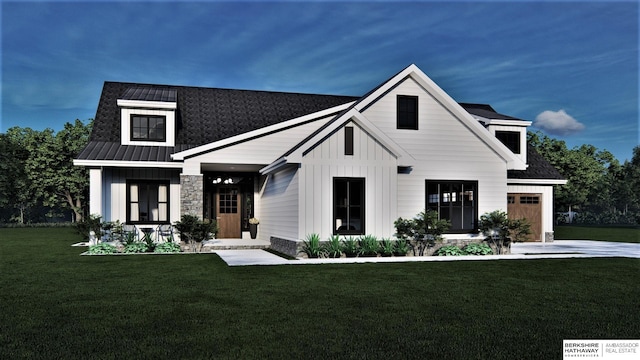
[[193, 230], [450, 250], [369, 245], [333, 248], [500, 231], [401, 248], [90, 223], [102, 248], [167, 247], [387, 247], [136, 247], [311, 246], [477, 249], [426, 228], [350, 247]]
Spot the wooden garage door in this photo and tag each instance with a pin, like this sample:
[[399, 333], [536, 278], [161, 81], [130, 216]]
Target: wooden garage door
[[528, 206]]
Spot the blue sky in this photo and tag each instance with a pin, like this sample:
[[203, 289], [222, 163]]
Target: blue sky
[[571, 67]]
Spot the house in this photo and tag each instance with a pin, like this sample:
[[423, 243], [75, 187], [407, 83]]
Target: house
[[306, 163]]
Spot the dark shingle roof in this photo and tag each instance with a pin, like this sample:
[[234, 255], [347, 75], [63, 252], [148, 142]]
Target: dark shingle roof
[[204, 115], [539, 168], [485, 111]]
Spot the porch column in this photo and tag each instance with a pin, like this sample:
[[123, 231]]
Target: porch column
[[192, 195], [95, 191]]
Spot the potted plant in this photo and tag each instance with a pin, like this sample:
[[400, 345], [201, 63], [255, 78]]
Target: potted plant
[[253, 227]]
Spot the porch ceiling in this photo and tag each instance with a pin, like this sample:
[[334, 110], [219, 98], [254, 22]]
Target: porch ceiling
[[231, 167]]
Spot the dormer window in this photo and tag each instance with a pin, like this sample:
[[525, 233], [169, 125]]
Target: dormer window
[[511, 139], [148, 128], [148, 116]]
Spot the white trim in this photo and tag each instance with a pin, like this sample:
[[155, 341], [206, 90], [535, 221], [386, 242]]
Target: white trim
[[122, 163], [404, 159], [259, 132], [140, 104], [504, 122], [511, 181]]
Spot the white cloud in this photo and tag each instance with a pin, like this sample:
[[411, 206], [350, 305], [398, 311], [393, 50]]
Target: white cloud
[[558, 123]]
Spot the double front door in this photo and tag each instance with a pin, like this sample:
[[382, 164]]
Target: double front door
[[228, 212]]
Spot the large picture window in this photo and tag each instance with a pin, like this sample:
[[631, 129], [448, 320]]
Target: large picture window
[[348, 206], [456, 201], [148, 128], [407, 112], [147, 202]]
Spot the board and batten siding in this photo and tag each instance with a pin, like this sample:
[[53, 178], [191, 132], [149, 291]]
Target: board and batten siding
[[114, 187], [278, 205], [443, 147], [326, 161]]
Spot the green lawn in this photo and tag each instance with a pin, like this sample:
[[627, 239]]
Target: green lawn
[[607, 233], [57, 304]]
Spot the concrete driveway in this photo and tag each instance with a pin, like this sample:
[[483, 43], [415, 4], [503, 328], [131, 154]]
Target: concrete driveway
[[556, 250]]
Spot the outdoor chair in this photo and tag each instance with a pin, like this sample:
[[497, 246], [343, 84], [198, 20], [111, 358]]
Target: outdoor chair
[[129, 232], [165, 232]]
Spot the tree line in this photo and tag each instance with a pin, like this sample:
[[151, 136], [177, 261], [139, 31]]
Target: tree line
[[599, 189], [38, 181]]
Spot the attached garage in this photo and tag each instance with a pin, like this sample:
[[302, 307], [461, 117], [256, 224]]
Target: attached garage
[[530, 195], [527, 206]]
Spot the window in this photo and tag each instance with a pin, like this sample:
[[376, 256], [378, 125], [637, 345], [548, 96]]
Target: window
[[148, 128], [529, 199], [455, 201], [148, 201], [348, 140], [511, 199], [510, 139], [348, 206], [407, 112]]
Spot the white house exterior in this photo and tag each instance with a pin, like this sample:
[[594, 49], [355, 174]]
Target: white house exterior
[[311, 163]]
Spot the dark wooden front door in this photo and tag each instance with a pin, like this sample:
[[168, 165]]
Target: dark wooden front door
[[528, 206], [228, 210]]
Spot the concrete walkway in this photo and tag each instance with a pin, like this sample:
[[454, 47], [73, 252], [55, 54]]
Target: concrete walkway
[[556, 250]]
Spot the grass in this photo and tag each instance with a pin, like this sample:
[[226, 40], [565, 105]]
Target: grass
[[57, 304], [606, 233]]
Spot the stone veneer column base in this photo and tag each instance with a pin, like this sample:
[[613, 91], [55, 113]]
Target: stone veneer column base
[[289, 247], [548, 236], [192, 195]]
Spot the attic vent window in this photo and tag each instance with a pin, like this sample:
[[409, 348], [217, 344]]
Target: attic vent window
[[407, 112], [148, 128]]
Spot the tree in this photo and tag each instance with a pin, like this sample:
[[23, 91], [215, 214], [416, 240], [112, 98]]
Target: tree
[[16, 190], [585, 168], [50, 167]]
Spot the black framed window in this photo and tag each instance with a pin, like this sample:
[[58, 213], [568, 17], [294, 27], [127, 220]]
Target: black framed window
[[147, 201], [510, 139], [348, 140], [348, 206], [407, 117], [148, 128], [456, 201]]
